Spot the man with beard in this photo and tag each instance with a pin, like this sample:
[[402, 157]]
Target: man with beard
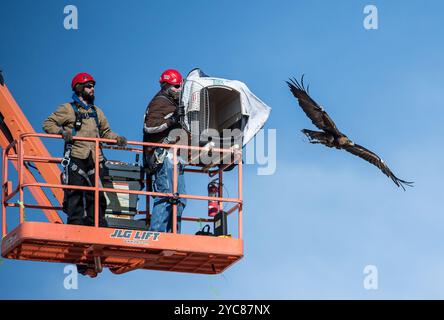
[[161, 117], [81, 118]]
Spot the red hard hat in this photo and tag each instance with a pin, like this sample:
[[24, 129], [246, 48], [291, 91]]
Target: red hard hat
[[171, 76], [81, 78]]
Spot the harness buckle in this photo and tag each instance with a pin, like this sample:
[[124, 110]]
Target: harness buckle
[[174, 199], [66, 156], [65, 162]]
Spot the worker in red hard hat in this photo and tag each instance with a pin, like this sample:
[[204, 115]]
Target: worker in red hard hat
[[81, 118], [162, 115]]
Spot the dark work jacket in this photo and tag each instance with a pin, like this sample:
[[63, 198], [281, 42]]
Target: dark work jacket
[[157, 123]]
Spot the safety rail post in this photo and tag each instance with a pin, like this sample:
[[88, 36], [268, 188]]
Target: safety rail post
[[221, 204], [4, 181], [147, 198], [96, 184], [20, 179], [175, 178], [240, 196]]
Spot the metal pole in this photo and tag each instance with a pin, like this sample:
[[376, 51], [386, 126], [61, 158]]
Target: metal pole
[[153, 194], [96, 185], [4, 181], [20, 179], [240, 195], [174, 189], [147, 198], [221, 185]]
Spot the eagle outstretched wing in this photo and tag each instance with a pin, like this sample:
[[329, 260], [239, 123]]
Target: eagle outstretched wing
[[314, 111], [373, 158]]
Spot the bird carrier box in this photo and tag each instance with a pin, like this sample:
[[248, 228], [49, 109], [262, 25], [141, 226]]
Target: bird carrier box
[[221, 111]]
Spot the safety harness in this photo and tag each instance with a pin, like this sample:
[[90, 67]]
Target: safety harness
[[66, 161]]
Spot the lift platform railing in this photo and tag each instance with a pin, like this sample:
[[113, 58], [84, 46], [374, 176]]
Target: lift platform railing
[[21, 159]]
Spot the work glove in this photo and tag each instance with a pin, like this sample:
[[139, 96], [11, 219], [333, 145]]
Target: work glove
[[173, 122], [121, 141], [67, 136], [179, 112]]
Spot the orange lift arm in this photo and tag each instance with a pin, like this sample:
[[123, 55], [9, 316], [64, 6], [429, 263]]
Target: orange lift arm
[[13, 123]]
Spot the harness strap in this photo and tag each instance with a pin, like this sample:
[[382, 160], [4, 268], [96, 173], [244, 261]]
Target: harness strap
[[86, 175], [77, 126], [84, 115], [75, 168], [67, 155]]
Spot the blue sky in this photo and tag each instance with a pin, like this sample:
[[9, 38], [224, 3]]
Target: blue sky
[[310, 228]]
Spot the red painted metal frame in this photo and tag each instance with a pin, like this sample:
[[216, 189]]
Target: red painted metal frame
[[57, 242]]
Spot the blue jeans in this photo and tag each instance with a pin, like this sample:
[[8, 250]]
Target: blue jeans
[[162, 214]]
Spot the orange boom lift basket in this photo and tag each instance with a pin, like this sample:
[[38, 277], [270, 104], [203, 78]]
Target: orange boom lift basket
[[120, 250]]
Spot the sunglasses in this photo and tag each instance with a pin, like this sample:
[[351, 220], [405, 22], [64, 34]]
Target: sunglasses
[[89, 86]]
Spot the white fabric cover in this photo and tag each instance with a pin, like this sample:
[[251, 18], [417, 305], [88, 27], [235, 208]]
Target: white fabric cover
[[257, 111]]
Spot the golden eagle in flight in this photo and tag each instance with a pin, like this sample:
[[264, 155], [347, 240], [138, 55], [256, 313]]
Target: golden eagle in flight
[[330, 136]]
